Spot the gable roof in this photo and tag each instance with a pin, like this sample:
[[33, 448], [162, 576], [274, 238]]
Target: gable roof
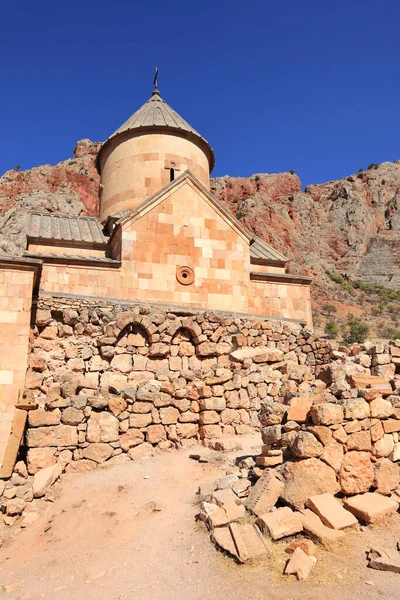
[[156, 114], [258, 248]]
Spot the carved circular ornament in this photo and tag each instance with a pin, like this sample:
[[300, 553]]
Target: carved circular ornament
[[185, 275]]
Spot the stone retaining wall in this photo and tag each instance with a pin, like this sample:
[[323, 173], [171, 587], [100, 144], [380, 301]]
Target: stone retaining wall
[[345, 436], [120, 379]]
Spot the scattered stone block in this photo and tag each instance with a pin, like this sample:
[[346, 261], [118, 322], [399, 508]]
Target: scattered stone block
[[264, 494], [306, 545], [384, 559], [226, 481], [300, 564], [221, 497], [248, 542], [371, 507], [44, 478], [222, 538], [331, 512], [316, 530], [280, 523]]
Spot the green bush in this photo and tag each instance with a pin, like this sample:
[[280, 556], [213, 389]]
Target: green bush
[[390, 333], [331, 328], [355, 331]]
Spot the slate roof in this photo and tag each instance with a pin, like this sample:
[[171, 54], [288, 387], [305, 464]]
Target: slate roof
[[158, 114], [261, 250], [82, 231]]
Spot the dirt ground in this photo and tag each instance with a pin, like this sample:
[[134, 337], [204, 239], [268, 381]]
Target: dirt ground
[[99, 540]]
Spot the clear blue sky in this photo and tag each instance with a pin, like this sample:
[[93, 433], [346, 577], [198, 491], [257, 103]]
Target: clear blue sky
[[312, 86]]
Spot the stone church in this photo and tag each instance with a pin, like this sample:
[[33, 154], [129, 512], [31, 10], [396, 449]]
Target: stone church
[[161, 238]]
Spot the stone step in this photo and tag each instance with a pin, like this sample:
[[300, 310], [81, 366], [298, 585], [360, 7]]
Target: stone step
[[248, 542]]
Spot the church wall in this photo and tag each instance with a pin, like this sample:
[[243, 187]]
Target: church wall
[[120, 380], [15, 304], [134, 168], [183, 231]]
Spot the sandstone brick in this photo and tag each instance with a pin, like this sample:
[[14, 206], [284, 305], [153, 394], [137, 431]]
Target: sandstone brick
[[300, 564], [130, 439], [187, 430], [60, 435], [370, 507], [40, 458], [306, 478], [356, 473], [210, 431], [212, 403], [99, 452], [72, 416], [317, 531], [117, 406], [306, 445], [356, 408], [386, 476], [44, 478], [155, 434], [137, 421], [141, 452], [359, 441], [169, 415], [330, 511], [326, 414], [280, 523], [299, 408], [391, 425], [102, 427], [208, 417], [43, 418], [333, 455], [122, 362], [381, 409], [384, 446]]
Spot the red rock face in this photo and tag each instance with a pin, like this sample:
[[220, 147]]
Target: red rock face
[[70, 187], [350, 225]]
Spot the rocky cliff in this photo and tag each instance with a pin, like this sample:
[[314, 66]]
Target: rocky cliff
[[351, 225], [71, 187]]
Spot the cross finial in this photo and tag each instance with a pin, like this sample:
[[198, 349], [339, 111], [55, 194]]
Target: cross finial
[[155, 82]]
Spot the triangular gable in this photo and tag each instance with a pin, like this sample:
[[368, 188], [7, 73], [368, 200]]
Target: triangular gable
[[186, 178]]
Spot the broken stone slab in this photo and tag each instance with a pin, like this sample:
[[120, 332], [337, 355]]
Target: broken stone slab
[[206, 489], [300, 564], [209, 457], [384, 559], [241, 487], [248, 542], [221, 497], [218, 516], [226, 481], [331, 512], [280, 523], [371, 507], [264, 494], [306, 545], [222, 538], [317, 531]]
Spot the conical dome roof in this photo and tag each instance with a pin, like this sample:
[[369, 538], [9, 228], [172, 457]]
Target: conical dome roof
[[157, 114]]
